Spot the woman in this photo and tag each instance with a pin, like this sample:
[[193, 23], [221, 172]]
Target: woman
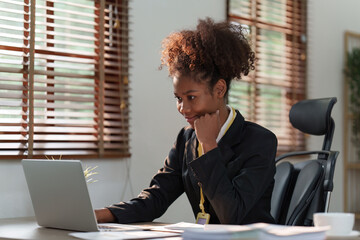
[[224, 164]]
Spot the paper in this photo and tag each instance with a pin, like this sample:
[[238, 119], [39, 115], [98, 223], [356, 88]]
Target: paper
[[120, 227], [183, 225], [122, 235], [178, 227], [255, 231]]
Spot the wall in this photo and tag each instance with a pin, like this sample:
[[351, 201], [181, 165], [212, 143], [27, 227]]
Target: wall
[[327, 21], [154, 118]]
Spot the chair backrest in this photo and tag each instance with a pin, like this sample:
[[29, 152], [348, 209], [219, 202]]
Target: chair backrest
[[284, 172], [308, 183], [304, 188], [313, 116]]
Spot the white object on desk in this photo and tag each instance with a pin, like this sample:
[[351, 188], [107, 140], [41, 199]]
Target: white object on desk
[[341, 224], [255, 231], [177, 227], [123, 235], [351, 235]]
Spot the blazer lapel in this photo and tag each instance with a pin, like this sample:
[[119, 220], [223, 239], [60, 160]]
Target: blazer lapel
[[190, 155], [231, 138]]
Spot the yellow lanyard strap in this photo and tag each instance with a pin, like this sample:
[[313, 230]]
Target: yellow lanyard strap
[[202, 200]]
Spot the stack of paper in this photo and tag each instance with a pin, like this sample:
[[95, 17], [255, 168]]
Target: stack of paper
[[254, 232], [178, 227]]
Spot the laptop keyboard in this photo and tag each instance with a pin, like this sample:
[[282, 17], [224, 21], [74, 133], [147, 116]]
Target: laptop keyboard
[[113, 227]]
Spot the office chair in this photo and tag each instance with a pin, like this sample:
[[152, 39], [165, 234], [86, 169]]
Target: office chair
[[304, 188]]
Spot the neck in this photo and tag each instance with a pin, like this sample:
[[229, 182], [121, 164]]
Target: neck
[[223, 113]]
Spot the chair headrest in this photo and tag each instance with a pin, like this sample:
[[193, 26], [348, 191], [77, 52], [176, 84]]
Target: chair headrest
[[312, 116]]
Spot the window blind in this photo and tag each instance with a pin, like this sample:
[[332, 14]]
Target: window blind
[[277, 30], [64, 78]]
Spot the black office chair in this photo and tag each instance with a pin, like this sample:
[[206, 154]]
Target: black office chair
[[304, 188]]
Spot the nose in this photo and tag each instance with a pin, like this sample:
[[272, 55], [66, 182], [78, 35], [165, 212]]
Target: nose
[[180, 107], [183, 107]]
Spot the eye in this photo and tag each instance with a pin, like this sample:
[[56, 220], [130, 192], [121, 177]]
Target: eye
[[190, 97], [178, 99]]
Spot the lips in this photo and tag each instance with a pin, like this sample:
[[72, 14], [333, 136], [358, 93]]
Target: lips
[[191, 119]]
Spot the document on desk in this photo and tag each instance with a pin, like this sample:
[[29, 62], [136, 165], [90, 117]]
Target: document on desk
[[259, 231], [123, 235], [177, 227]]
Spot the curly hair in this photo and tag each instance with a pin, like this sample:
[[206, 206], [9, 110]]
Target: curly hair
[[211, 52]]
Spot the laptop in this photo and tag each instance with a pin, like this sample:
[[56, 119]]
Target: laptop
[[60, 196]]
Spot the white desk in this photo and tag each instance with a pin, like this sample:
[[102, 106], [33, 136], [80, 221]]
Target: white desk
[[27, 228]]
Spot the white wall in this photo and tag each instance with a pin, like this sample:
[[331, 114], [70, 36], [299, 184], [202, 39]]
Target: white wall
[[327, 22], [154, 119]]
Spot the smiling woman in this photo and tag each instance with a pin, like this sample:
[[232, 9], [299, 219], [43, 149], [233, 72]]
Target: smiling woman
[[224, 164]]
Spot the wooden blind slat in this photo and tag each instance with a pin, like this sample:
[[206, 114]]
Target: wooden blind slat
[[74, 35], [51, 129], [74, 4], [66, 122], [64, 90], [10, 146], [64, 98], [68, 82], [65, 137], [65, 59], [63, 114], [72, 12], [64, 106]]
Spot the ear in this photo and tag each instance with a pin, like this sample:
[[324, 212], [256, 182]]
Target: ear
[[220, 88]]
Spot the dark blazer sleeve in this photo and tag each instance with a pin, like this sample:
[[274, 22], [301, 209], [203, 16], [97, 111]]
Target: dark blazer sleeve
[[165, 187], [234, 187]]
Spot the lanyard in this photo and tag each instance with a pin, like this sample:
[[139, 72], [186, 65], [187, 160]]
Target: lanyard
[[202, 216]]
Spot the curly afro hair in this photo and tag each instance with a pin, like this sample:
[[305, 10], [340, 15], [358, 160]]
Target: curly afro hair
[[211, 52]]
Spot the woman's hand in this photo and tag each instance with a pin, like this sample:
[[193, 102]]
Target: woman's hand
[[104, 216], [207, 128]]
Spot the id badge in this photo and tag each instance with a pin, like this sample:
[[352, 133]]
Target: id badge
[[203, 218]]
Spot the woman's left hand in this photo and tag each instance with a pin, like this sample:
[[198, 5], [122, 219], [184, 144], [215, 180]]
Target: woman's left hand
[[207, 128]]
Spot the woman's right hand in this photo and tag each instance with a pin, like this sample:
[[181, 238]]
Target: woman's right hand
[[207, 128], [104, 215]]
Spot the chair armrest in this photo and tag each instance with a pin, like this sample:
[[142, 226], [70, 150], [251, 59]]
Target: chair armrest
[[330, 169], [292, 154]]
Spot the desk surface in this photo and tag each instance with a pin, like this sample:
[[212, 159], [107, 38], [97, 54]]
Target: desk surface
[[27, 228]]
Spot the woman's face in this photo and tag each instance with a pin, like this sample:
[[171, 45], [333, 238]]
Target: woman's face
[[194, 99]]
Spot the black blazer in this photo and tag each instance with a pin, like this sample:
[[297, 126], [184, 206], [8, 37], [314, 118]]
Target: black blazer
[[237, 178]]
